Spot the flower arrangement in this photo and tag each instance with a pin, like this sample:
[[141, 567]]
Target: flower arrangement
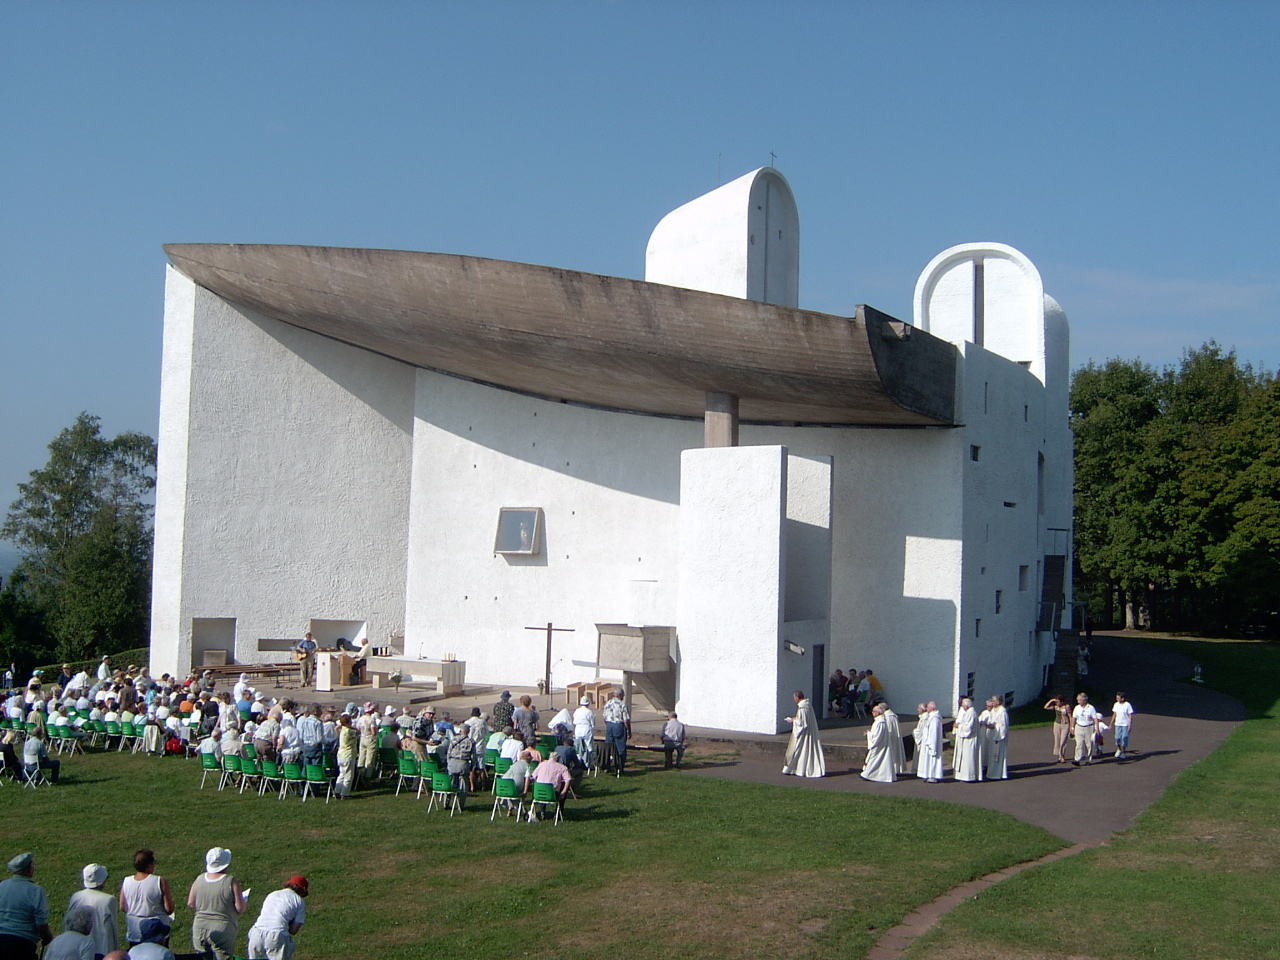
[[396, 678]]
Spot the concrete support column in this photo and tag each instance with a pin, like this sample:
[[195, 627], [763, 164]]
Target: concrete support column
[[720, 420]]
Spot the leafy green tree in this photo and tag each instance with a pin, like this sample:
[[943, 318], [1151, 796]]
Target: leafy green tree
[[82, 524]]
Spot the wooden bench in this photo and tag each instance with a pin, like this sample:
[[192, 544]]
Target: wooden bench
[[276, 671]]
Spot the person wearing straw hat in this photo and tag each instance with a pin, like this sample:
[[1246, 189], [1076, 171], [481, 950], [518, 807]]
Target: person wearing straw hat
[[24, 911], [283, 913], [102, 908], [218, 902]]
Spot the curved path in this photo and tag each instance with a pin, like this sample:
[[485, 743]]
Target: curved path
[[1175, 724]]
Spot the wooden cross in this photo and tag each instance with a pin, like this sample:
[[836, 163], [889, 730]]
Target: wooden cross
[[550, 630]]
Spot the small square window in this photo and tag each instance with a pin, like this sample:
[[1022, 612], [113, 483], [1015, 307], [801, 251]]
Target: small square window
[[519, 531]]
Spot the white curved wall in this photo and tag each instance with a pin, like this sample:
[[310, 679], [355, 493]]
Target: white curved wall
[[739, 240]]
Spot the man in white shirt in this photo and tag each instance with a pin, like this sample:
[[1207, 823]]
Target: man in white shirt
[[1085, 719], [1122, 722], [584, 732], [101, 907], [282, 916]]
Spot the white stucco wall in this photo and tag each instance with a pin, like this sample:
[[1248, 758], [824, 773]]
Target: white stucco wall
[[609, 485], [741, 240], [291, 502], [733, 503]]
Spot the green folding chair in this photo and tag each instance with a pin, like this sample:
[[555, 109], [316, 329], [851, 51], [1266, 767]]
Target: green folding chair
[[543, 794], [503, 765], [442, 790], [316, 778], [230, 770], [270, 775], [408, 769], [425, 772], [293, 779], [506, 794], [388, 758], [208, 765], [250, 772]]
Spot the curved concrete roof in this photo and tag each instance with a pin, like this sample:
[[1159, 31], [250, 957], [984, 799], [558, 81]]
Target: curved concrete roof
[[586, 338]]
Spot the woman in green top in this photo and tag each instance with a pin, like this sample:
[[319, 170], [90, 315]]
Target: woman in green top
[[218, 901]]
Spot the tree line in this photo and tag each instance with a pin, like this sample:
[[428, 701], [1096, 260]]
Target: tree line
[[1177, 494], [83, 528]]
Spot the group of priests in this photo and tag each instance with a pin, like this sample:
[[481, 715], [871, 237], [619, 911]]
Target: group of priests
[[981, 741]]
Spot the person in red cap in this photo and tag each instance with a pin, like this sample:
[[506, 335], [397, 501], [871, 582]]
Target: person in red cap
[[282, 916]]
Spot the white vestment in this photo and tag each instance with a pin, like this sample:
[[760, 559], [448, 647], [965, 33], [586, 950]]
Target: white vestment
[[879, 765], [804, 751], [984, 738], [930, 763], [997, 745], [896, 751], [966, 730]]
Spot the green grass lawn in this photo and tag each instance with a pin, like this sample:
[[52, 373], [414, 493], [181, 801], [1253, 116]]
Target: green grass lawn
[[656, 865], [1196, 877]]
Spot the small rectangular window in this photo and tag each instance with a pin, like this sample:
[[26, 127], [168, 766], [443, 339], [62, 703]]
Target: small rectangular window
[[1008, 698], [986, 396], [977, 627], [1010, 503], [970, 685], [975, 452], [1024, 577], [999, 599], [1026, 413]]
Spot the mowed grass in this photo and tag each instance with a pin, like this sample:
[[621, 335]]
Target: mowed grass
[[1198, 876], [659, 864]]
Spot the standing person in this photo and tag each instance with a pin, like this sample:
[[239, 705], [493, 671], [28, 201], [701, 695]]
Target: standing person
[[305, 652], [101, 906], [368, 726], [1122, 722], [461, 758], [617, 731], [897, 753], [526, 719], [24, 911], [998, 740], [584, 733], [104, 670], [74, 943], [218, 902], [1061, 725], [282, 915], [347, 740], [672, 741], [144, 896], [879, 765], [930, 764], [311, 733], [917, 756], [1086, 720], [502, 711], [804, 752], [967, 768]]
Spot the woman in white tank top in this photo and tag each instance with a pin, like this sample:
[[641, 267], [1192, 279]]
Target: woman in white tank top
[[144, 896]]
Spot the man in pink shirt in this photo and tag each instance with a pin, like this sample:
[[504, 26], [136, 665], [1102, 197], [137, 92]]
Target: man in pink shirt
[[554, 772]]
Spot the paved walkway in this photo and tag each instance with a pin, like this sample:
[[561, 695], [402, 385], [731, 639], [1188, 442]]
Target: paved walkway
[[1175, 724]]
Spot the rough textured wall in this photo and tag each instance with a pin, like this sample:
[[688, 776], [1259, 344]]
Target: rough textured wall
[[608, 484], [732, 516], [294, 501]]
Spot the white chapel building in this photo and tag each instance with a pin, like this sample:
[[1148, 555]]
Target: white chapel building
[[699, 483]]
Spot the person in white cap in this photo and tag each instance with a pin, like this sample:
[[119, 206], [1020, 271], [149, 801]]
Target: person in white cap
[[584, 732], [101, 906], [218, 902]]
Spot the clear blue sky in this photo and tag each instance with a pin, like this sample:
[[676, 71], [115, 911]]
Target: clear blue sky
[[1128, 149]]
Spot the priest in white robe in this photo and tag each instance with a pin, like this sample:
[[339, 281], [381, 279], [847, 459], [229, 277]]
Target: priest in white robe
[[967, 768], [998, 741], [930, 764], [804, 751], [896, 750], [879, 766], [984, 733]]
